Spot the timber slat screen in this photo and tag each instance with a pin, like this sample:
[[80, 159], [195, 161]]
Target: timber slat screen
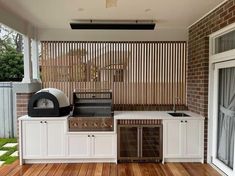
[[140, 74]]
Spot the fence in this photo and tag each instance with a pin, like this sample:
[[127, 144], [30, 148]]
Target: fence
[[6, 110], [138, 73]]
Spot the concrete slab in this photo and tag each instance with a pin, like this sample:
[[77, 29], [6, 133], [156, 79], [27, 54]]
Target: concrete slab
[[2, 152], [14, 154], [10, 144]]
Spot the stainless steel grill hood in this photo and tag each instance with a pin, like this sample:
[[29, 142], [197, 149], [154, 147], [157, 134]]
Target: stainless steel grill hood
[[113, 25]]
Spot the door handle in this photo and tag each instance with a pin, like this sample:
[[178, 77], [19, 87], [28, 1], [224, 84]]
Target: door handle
[[138, 141]]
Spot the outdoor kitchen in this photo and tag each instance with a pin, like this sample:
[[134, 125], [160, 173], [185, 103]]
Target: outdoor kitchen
[[117, 88], [91, 131]]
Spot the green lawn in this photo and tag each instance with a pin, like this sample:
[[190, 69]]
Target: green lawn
[[6, 157]]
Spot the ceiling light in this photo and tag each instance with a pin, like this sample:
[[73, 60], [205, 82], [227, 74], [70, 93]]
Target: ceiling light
[[113, 25], [111, 3]]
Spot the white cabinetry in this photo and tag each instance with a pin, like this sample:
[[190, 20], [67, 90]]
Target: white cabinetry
[[104, 146], [55, 139], [79, 146], [193, 138], [43, 139], [183, 140], [172, 138], [91, 145], [47, 140], [32, 139]]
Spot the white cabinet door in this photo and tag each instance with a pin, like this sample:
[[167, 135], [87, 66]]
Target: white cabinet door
[[193, 138], [79, 146], [43, 139], [183, 139], [104, 146], [32, 139], [92, 146], [55, 138], [172, 138]]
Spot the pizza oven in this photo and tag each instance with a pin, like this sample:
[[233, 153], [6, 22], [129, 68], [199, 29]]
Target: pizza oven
[[48, 102]]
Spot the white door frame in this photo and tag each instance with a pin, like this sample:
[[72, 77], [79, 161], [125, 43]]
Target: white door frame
[[216, 61], [215, 161]]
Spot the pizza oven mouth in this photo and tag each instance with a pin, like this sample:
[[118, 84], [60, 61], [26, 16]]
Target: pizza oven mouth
[[48, 102]]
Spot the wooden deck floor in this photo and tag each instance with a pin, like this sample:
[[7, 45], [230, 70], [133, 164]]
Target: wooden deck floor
[[129, 169]]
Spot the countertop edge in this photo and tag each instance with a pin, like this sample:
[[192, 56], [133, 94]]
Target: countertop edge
[[125, 115], [26, 117], [163, 115]]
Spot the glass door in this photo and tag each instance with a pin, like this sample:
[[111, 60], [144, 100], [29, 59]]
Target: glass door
[[224, 117], [128, 142], [151, 142]]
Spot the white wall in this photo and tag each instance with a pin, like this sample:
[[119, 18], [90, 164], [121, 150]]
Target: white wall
[[17, 23], [162, 34], [13, 21]]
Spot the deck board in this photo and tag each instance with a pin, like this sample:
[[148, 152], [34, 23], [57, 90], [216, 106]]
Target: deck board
[[109, 169]]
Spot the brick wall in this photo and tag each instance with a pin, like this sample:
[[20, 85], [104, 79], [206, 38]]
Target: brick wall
[[198, 57], [22, 103]]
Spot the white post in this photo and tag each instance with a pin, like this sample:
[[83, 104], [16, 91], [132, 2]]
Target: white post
[[27, 60], [35, 61]]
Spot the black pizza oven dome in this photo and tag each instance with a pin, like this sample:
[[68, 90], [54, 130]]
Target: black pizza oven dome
[[48, 102]]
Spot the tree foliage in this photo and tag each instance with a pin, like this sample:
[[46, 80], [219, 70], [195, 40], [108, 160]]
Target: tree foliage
[[11, 57]]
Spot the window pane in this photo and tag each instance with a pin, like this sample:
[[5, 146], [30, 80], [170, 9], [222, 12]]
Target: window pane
[[225, 42], [226, 116]]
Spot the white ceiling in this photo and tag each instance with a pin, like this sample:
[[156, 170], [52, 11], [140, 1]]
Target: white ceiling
[[50, 19], [58, 13]]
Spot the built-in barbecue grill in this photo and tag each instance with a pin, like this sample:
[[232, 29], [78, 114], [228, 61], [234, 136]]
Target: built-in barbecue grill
[[92, 111]]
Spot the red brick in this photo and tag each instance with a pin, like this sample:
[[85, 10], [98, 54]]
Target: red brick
[[231, 20], [22, 103], [232, 8], [198, 58]]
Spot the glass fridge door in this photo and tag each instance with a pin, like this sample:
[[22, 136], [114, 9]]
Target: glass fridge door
[[128, 142], [151, 142]]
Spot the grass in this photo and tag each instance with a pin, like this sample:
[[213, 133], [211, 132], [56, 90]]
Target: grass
[[6, 157]]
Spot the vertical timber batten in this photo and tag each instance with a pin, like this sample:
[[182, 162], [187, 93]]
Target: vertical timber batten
[[140, 74]]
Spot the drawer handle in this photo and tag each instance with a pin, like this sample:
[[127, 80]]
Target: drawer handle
[[93, 135], [89, 136], [182, 121], [40, 121], [186, 121], [45, 121]]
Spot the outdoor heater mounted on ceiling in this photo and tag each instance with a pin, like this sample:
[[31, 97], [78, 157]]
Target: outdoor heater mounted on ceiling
[[113, 25]]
